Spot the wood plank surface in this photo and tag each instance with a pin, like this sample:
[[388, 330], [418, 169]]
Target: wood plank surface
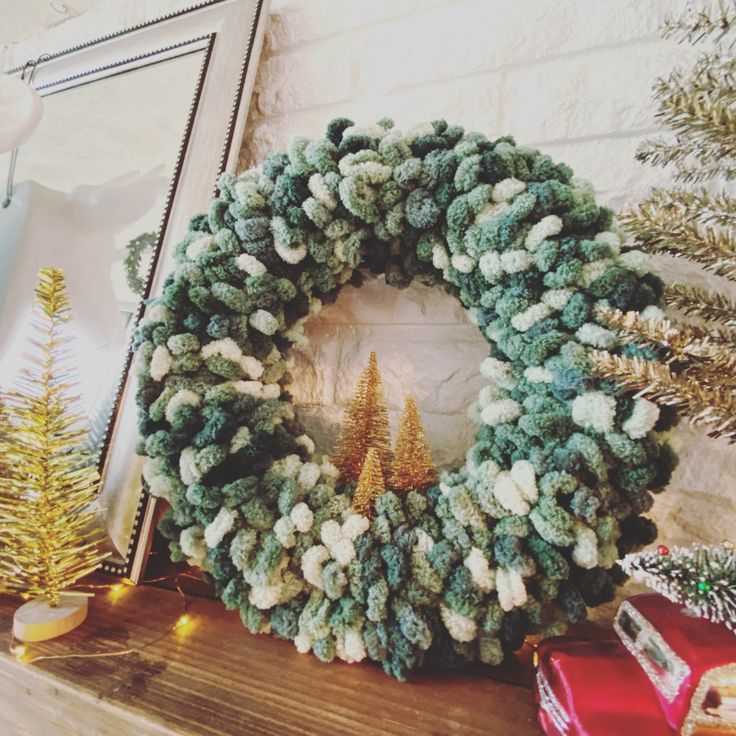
[[213, 677]]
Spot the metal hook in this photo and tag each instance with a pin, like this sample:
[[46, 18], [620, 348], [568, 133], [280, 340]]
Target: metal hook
[[33, 66]]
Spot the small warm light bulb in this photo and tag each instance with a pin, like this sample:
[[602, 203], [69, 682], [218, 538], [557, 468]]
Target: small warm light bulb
[[183, 620], [117, 591]]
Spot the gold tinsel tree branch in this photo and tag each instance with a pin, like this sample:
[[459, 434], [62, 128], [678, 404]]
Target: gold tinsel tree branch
[[661, 228], [694, 161], [693, 107], [4, 434], [698, 204], [49, 531], [707, 305], [693, 173], [698, 104], [711, 19], [682, 341], [714, 406], [716, 372]]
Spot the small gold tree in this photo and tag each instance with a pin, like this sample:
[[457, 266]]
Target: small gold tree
[[3, 435], [412, 468], [365, 425], [370, 484], [48, 536]]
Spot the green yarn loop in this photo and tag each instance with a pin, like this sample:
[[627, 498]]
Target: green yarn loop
[[526, 533]]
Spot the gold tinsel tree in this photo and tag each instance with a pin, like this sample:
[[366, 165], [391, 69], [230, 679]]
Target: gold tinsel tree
[[3, 471], [365, 425], [370, 483], [694, 219], [3, 434], [412, 468], [48, 535]]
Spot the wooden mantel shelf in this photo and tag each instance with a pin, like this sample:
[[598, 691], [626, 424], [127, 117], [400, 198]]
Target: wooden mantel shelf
[[213, 677]]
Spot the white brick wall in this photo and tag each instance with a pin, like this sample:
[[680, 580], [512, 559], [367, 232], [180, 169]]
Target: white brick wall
[[29, 17], [571, 77]]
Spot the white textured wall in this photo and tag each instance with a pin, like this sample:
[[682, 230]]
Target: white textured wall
[[571, 77], [24, 18]]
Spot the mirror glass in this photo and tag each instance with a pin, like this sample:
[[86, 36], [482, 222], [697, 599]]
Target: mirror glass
[[91, 191]]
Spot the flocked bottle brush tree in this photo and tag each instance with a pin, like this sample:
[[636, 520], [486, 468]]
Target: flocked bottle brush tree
[[701, 578]]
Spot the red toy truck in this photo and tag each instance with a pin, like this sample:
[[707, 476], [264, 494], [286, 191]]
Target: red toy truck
[[668, 673]]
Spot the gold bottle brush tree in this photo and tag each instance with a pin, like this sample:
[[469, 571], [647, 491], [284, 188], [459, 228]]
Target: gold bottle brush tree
[[49, 537]]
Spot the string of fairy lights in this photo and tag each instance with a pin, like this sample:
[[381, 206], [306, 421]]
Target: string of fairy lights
[[21, 650]]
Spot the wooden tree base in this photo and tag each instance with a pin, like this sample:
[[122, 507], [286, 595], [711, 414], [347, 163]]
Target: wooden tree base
[[37, 621]]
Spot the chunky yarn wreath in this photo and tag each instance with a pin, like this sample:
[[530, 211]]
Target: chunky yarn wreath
[[521, 537]]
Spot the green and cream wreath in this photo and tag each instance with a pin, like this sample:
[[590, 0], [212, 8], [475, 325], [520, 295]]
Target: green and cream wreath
[[519, 539]]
